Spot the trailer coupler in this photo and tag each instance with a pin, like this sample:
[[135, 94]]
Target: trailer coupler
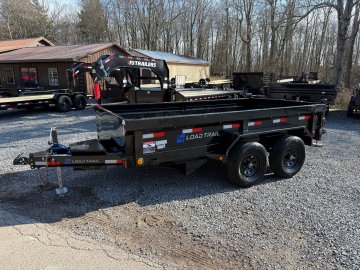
[[20, 160]]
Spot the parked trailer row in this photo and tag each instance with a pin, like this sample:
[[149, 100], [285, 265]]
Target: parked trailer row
[[239, 133]]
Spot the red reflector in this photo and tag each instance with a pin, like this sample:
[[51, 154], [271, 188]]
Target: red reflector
[[97, 90], [258, 123], [53, 163], [283, 119], [159, 134], [197, 130], [307, 117], [235, 125]]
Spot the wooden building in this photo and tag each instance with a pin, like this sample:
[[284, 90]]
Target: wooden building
[[16, 44], [192, 68], [46, 66]]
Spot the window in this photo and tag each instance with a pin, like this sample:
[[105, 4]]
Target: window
[[29, 77], [53, 76], [10, 76]]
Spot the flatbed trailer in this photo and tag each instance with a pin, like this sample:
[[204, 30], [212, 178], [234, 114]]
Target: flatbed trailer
[[62, 99], [237, 132]]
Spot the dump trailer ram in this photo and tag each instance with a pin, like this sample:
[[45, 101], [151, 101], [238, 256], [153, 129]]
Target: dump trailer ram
[[239, 133]]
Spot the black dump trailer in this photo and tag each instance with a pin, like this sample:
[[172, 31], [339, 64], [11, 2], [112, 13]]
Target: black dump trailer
[[305, 88], [317, 92], [354, 104], [240, 133]]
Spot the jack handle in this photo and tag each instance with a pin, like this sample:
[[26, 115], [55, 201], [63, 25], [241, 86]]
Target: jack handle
[[20, 160]]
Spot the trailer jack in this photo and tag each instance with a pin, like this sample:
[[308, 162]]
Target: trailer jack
[[61, 190], [20, 160]]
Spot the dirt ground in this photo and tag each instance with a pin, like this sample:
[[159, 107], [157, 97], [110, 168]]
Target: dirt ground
[[158, 218]]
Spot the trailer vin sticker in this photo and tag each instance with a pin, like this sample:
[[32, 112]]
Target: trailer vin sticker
[[149, 147]]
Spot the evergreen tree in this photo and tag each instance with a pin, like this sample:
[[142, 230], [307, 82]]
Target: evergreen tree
[[92, 22]]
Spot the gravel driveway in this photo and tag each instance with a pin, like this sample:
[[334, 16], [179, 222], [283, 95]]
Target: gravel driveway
[[199, 221]]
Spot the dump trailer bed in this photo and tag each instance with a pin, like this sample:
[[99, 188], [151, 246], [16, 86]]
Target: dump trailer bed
[[236, 132], [319, 92]]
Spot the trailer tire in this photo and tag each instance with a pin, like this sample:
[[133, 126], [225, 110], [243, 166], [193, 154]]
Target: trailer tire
[[287, 156], [79, 102], [63, 103], [247, 164]]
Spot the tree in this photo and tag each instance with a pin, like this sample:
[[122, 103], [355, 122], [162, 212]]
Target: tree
[[92, 22], [24, 19]]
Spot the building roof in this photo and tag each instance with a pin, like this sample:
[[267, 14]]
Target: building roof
[[15, 44], [169, 57], [55, 54]]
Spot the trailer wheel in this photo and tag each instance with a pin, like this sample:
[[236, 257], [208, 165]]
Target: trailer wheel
[[287, 156], [63, 103], [79, 102], [247, 164]]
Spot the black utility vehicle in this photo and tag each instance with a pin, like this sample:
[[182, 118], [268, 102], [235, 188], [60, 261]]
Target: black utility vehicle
[[354, 104]]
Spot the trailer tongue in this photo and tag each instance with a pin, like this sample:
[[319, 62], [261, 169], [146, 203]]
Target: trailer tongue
[[238, 133]]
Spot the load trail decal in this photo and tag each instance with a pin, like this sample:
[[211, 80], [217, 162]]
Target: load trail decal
[[181, 138]]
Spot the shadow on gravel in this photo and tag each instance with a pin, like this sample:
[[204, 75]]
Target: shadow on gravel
[[90, 191], [347, 123], [25, 112], [41, 129]]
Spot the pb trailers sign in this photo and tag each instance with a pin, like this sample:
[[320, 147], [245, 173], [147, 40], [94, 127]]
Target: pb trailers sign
[[142, 64]]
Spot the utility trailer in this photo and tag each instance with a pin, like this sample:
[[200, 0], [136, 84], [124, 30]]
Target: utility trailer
[[63, 100], [237, 132]]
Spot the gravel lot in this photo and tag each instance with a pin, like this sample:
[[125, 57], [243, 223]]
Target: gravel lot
[[200, 221]]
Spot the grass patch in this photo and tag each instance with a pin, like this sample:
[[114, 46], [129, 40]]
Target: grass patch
[[342, 99]]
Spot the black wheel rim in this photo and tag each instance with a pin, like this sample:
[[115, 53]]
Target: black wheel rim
[[81, 103], [291, 158], [249, 165], [65, 104]]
